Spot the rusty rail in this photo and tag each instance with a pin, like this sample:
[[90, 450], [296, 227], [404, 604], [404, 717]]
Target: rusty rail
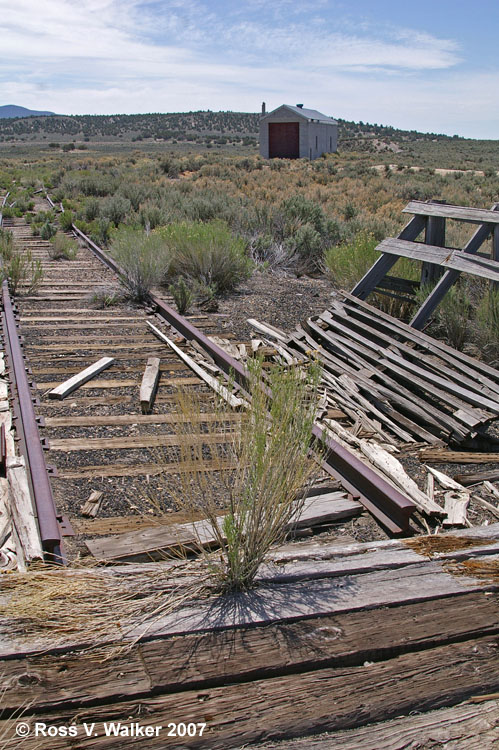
[[389, 506], [27, 432]]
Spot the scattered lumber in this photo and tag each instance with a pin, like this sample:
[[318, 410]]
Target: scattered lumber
[[149, 385], [220, 389], [91, 507], [379, 369], [63, 390]]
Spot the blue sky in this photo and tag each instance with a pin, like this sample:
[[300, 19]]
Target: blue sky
[[430, 66]]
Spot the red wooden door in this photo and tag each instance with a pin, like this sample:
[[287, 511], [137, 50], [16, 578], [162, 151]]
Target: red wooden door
[[284, 140]]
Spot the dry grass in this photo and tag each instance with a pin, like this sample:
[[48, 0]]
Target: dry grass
[[93, 606]]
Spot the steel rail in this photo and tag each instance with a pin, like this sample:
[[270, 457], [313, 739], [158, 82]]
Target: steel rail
[[27, 431], [389, 506]]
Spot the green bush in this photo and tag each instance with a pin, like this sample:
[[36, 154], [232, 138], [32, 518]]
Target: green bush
[[66, 220], [48, 230], [21, 270], [144, 259], [182, 295], [347, 263], [206, 253]]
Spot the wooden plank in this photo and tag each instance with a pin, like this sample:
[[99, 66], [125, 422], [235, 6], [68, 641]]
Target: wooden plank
[[392, 468], [22, 511], [131, 419], [135, 441], [63, 390], [319, 700], [154, 543], [477, 477], [445, 210], [468, 725], [173, 664], [138, 470], [124, 383], [90, 507], [434, 235], [435, 455], [456, 505], [149, 384], [446, 257]]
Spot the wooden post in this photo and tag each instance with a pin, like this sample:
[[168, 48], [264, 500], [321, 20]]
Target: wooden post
[[434, 235], [494, 285]]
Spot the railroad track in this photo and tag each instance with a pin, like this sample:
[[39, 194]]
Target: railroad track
[[97, 438]]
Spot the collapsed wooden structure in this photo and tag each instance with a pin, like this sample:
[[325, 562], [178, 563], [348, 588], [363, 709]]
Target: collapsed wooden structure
[[442, 266]]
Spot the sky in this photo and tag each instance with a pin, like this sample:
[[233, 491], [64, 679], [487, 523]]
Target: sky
[[431, 66]]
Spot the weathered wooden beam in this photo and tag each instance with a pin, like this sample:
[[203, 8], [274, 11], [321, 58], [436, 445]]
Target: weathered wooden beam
[[149, 384], [434, 235], [446, 257], [444, 210], [63, 390], [435, 455]]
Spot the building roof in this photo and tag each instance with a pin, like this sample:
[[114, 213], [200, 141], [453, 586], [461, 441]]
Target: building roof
[[308, 114]]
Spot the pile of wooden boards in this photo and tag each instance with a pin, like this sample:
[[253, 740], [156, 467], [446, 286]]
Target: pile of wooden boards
[[395, 379]]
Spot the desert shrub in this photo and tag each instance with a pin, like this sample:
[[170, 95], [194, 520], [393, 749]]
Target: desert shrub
[[269, 450], [115, 209], [206, 253], [144, 259], [452, 317], [91, 210], [105, 297], [6, 245], [347, 263], [66, 220], [62, 247], [21, 270], [182, 295], [48, 230]]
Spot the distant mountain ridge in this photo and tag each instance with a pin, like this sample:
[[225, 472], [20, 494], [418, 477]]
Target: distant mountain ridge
[[12, 110]]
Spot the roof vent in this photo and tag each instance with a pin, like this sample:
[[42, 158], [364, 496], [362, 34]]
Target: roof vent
[[300, 106]]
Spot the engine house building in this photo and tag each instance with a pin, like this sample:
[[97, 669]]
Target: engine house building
[[293, 132]]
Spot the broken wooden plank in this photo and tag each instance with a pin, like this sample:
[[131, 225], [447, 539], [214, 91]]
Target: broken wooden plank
[[220, 389], [22, 511], [136, 419], [76, 381], [149, 384], [91, 507], [392, 467], [456, 505]]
